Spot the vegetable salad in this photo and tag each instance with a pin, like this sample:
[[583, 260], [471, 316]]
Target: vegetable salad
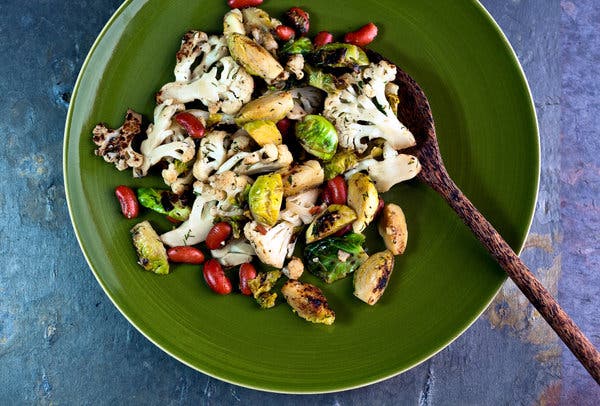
[[265, 138]]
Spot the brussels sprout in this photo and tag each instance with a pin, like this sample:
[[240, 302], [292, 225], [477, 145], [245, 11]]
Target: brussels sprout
[[392, 228], [363, 198], [340, 163], [165, 202], [332, 220], [272, 106], [152, 255], [317, 136], [334, 258], [321, 80], [256, 60], [263, 132], [338, 55], [299, 178], [300, 46], [308, 302], [265, 197], [261, 288], [371, 279]]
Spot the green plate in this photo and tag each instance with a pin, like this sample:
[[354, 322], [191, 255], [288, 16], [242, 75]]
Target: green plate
[[488, 136]]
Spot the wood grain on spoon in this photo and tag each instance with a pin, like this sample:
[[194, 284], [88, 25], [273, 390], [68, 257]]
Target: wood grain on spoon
[[414, 112]]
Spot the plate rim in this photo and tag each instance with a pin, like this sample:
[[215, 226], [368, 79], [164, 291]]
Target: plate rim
[[100, 36]]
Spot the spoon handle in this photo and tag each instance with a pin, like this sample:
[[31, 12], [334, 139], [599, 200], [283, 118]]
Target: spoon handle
[[541, 299]]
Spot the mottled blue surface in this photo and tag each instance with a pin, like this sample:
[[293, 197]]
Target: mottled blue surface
[[63, 342]]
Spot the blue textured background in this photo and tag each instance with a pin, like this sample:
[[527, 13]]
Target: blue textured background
[[63, 342]]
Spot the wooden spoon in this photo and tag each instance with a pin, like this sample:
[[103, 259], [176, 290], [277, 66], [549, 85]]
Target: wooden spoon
[[415, 113]]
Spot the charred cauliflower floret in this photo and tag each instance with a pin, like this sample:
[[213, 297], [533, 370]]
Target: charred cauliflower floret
[[115, 145], [361, 111], [152, 255], [308, 302], [197, 46]]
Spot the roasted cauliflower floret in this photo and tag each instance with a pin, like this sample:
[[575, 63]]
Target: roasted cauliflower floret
[[393, 169], [307, 100], [294, 269], [235, 253], [361, 111], [227, 187], [165, 139], [195, 229], [299, 209], [178, 175], [272, 246], [195, 45], [115, 145], [225, 87], [212, 153], [269, 158]]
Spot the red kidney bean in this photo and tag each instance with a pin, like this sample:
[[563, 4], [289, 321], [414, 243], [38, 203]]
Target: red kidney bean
[[323, 38], [215, 277], [337, 190], [243, 3], [363, 36], [299, 20], [284, 32], [284, 125], [129, 202], [185, 254], [192, 125], [217, 235], [247, 272]]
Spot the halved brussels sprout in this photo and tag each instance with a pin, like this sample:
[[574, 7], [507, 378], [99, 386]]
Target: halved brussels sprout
[[255, 59], [363, 198], [340, 163], [372, 277], [265, 198], [338, 55], [392, 228], [308, 302], [299, 46], [324, 81], [152, 255], [334, 258], [317, 136], [263, 132], [261, 287], [302, 177], [332, 220], [272, 106]]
